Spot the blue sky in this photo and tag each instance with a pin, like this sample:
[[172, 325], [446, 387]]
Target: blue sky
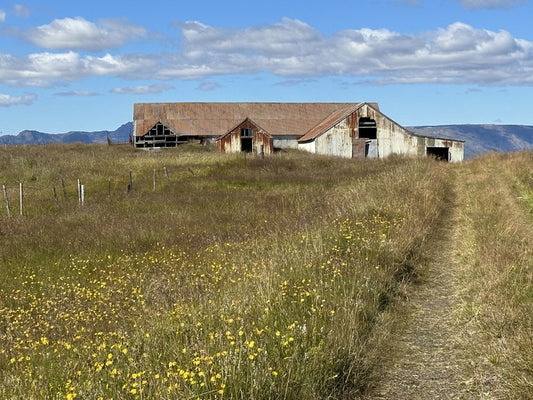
[[69, 65]]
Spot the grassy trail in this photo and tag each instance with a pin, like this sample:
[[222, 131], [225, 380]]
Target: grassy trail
[[429, 362], [458, 341]]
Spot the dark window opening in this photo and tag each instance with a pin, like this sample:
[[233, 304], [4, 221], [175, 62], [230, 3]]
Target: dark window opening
[[158, 136], [246, 144], [247, 132], [440, 153], [367, 128]]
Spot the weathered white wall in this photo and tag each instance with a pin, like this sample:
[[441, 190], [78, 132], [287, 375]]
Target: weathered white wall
[[392, 138], [285, 142], [335, 142]]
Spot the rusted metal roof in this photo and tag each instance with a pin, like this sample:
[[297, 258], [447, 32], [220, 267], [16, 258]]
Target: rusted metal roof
[[328, 122], [214, 119]]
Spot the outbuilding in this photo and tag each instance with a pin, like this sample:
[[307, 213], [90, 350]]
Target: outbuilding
[[354, 130]]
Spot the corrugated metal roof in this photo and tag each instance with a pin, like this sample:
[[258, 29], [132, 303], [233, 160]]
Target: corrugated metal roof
[[328, 122], [214, 119]]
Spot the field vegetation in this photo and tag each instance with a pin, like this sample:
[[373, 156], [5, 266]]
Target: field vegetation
[[235, 277]]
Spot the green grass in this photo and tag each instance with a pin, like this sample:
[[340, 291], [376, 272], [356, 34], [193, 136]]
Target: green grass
[[235, 278]]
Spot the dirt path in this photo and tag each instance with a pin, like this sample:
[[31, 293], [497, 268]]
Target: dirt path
[[428, 360]]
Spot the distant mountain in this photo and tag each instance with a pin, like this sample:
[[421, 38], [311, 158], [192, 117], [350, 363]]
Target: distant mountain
[[482, 138], [478, 138], [119, 135]]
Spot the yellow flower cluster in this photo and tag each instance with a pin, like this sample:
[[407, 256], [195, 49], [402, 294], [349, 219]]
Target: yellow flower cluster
[[181, 324]]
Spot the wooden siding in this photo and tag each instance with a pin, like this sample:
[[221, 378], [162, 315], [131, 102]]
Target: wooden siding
[[232, 141]]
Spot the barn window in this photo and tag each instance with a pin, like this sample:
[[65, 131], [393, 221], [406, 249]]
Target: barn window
[[158, 136], [367, 128], [247, 132]]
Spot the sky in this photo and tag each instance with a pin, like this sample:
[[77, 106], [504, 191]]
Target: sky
[[69, 65]]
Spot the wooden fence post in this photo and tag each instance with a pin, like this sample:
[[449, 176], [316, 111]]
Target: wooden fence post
[[55, 196], [64, 188], [82, 195], [165, 171], [21, 198], [130, 185], [154, 179], [79, 191], [6, 200]]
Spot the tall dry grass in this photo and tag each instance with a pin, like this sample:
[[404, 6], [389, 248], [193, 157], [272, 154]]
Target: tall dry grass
[[497, 253], [235, 278]]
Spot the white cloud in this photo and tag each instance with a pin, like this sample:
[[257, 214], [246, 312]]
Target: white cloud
[[6, 100], [2, 16], [143, 89], [80, 34], [472, 4], [49, 69], [77, 93], [21, 11], [208, 86], [293, 50], [458, 53]]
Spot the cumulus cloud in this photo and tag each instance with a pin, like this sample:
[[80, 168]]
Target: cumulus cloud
[[143, 89], [7, 100], [295, 51], [458, 53], [472, 4], [48, 69], [2, 16], [80, 34]]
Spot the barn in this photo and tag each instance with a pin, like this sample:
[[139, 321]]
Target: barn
[[354, 130]]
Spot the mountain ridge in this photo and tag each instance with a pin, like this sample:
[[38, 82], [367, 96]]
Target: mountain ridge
[[479, 138], [119, 135]]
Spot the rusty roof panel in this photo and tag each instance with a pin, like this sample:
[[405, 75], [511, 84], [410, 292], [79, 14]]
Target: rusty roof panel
[[208, 119], [328, 122]]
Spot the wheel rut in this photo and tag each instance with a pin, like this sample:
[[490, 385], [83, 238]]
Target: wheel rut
[[428, 360]]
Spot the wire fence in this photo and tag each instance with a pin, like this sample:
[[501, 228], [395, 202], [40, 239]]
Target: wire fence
[[16, 197]]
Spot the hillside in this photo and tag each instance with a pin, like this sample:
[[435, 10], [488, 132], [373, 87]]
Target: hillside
[[119, 135]]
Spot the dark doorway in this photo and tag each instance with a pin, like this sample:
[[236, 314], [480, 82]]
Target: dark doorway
[[440, 153], [246, 139], [368, 128], [246, 144]]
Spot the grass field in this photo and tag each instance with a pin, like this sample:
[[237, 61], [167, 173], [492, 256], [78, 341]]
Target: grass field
[[236, 277]]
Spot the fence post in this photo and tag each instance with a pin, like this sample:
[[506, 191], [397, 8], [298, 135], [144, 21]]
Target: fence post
[[82, 197], [130, 185], [6, 200], [154, 180], [79, 191], [55, 196], [165, 171], [21, 198], [64, 188]]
